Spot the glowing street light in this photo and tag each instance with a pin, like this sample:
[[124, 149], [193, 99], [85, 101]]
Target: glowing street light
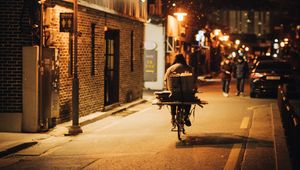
[[233, 54], [217, 32], [286, 41], [237, 42], [180, 15], [247, 49]]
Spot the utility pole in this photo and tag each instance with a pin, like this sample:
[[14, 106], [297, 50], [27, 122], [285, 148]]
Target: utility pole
[[75, 128]]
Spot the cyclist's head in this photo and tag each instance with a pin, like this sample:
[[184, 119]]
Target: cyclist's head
[[179, 59]]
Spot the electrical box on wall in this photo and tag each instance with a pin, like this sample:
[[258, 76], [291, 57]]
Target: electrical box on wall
[[30, 115], [51, 86]]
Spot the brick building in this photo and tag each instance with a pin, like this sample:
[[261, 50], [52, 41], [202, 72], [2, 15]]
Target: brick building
[[110, 55]]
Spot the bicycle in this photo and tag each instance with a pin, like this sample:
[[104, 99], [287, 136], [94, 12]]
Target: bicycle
[[179, 121]]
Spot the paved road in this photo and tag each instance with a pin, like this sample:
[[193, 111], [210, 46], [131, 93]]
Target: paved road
[[228, 133]]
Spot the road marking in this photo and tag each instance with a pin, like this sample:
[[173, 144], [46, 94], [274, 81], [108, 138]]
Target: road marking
[[245, 123], [233, 157], [256, 107]]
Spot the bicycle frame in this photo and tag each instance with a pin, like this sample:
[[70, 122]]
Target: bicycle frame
[[179, 116], [180, 121]]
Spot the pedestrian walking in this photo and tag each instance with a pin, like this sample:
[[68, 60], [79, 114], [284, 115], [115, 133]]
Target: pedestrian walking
[[241, 72], [226, 71], [194, 61]]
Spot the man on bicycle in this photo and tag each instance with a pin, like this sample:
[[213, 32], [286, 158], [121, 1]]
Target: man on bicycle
[[178, 66]]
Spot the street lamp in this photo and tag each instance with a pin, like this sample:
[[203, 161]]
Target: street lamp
[[75, 128], [217, 32], [286, 41], [237, 42], [247, 49], [180, 16]]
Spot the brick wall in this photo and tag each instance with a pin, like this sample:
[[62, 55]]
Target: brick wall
[[60, 40], [91, 88], [14, 33], [131, 81]]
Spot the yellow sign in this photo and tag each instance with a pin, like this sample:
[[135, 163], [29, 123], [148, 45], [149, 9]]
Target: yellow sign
[[150, 65]]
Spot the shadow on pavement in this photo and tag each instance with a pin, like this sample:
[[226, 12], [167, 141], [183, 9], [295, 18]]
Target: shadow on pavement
[[221, 140]]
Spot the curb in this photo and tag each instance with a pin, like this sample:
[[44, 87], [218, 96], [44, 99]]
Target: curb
[[17, 148], [61, 129], [111, 112], [282, 158]]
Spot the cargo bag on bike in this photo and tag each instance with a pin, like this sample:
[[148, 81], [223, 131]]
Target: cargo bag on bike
[[182, 87]]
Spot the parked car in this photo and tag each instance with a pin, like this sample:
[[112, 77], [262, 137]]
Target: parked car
[[260, 58], [267, 75]]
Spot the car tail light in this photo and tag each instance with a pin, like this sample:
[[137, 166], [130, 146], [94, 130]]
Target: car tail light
[[256, 75]]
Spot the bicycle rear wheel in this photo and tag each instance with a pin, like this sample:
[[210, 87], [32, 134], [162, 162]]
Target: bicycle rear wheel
[[178, 132], [179, 123]]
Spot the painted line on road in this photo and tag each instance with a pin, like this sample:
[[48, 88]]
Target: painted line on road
[[245, 123], [256, 107], [233, 157]]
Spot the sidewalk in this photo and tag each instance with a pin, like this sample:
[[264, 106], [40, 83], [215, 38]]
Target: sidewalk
[[209, 79], [266, 146], [13, 142]]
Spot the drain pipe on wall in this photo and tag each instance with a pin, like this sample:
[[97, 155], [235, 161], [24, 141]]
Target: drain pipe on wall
[[41, 71]]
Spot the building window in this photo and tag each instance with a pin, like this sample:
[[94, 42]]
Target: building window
[[131, 51], [93, 49]]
